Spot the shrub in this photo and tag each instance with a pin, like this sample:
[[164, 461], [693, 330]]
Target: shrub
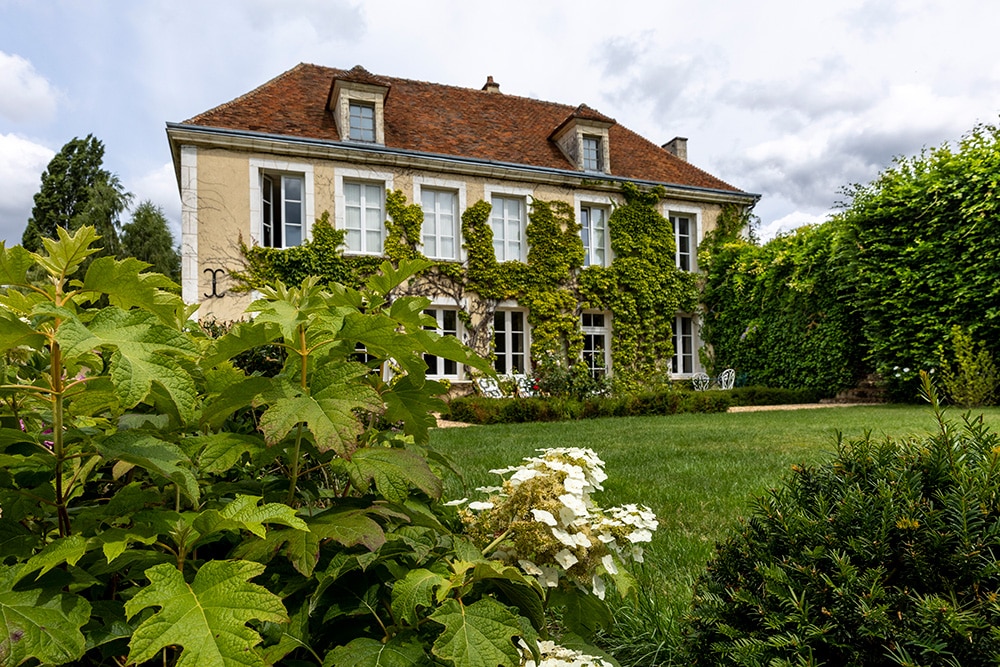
[[973, 379], [887, 555]]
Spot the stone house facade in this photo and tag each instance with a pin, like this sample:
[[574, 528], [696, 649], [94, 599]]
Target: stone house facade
[[263, 167]]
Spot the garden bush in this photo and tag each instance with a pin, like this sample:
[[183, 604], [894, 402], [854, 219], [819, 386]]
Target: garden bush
[[886, 555], [159, 505]]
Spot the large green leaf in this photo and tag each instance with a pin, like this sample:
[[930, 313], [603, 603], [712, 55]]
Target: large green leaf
[[63, 550], [389, 277], [416, 590], [218, 452], [144, 353], [215, 411], [39, 623], [328, 413], [244, 513], [14, 265], [367, 652], [65, 254], [127, 287], [242, 337], [155, 455], [414, 405], [14, 332], [207, 617], [583, 613], [478, 635], [393, 471]]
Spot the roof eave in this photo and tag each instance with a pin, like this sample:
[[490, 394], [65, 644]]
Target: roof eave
[[245, 140]]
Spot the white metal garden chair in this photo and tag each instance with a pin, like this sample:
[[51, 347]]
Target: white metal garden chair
[[489, 387], [525, 385], [700, 381], [727, 379]]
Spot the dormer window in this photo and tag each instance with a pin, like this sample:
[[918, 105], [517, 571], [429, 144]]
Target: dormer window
[[592, 153], [583, 138], [362, 121], [357, 102]]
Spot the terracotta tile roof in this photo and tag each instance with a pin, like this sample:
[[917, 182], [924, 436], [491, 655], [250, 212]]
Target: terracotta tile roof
[[448, 120]]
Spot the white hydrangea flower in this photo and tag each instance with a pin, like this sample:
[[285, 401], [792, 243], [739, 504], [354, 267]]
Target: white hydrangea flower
[[549, 576], [544, 516], [597, 585], [454, 503], [530, 568], [608, 561], [480, 505], [564, 537], [566, 559], [553, 655]]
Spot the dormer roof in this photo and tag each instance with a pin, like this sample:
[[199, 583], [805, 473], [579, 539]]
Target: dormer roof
[[443, 120]]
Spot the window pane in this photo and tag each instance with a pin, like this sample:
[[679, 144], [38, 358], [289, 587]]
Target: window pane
[[293, 188], [293, 235]]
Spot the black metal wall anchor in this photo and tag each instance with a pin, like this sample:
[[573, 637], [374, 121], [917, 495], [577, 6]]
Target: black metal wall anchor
[[215, 283]]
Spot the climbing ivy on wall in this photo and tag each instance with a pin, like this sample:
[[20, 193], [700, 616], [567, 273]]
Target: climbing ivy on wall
[[781, 314], [642, 288]]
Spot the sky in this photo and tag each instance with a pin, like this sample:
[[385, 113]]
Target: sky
[[790, 100]]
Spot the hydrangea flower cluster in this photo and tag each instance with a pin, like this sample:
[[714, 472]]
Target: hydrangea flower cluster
[[553, 655], [544, 519]]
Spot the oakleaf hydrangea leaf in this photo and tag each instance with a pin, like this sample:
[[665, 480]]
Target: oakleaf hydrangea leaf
[[243, 513], [394, 472], [39, 623], [414, 406], [415, 590], [155, 455], [479, 635], [368, 652], [207, 617]]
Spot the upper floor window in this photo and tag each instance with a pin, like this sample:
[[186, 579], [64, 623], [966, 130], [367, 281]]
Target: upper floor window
[[508, 222], [594, 233], [684, 241], [361, 120], [282, 210], [440, 228], [596, 342], [592, 158], [364, 217], [510, 341], [683, 340]]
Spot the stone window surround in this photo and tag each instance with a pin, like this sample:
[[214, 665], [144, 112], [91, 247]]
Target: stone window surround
[[257, 168], [431, 183]]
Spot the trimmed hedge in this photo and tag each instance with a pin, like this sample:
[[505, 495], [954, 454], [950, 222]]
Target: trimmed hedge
[[757, 395], [479, 410]]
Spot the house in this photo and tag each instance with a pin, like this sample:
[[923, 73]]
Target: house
[[263, 167]]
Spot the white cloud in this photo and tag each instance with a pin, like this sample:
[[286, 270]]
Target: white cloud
[[21, 165], [25, 95], [787, 223]]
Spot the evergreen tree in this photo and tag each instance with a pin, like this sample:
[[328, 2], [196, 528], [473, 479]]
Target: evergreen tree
[[75, 191], [148, 238]]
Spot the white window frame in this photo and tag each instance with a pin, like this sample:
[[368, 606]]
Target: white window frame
[[593, 330], [441, 370], [258, 168], [383, 178], [678, 336], [420, 183], [524, 194], [597, 163], [583, 201], [694, 216], [507, 355], [364, 134]]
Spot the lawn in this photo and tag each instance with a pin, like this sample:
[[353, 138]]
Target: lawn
[[698, 472]]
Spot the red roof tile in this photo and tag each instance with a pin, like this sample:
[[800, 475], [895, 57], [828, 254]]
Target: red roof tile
[[448, 120]]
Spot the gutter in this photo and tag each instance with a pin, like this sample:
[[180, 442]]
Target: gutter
[[180, 133]]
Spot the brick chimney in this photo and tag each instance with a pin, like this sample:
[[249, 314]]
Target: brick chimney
[[678, 146], [491, 86]]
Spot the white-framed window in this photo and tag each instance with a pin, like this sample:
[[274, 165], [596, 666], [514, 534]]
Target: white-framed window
[[360, 209], [684, 346], [594, 233], [593, 159], [281, 203], [596, 328], [685, 226], [447, 325], [508, 222], [440, 228], [361, 121], [510, 341]]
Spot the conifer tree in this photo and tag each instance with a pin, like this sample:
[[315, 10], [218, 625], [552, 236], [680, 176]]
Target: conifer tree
[[147, 237]]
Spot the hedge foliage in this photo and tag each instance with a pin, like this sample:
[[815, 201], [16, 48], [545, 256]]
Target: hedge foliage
[[877, 288], [887, 555]]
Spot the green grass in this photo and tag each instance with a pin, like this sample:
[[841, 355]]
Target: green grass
[[698, 472]]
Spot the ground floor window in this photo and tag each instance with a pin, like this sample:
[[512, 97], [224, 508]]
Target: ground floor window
[[447, 325], [596, 342], [510, 341], [683, 340]]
